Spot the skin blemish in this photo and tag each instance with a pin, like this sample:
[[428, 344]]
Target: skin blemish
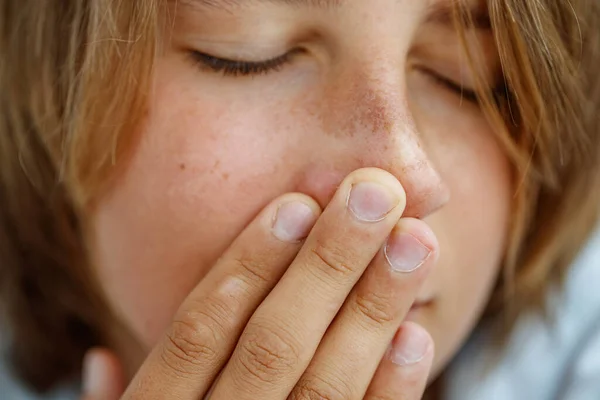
[[182, 166], [215, 166]]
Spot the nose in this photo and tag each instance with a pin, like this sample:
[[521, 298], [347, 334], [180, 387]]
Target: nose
[[366, 122]]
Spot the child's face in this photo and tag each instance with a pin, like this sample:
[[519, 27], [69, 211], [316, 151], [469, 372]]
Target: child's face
[[362, 92]]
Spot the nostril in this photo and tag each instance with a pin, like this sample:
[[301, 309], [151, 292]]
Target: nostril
[[423, 200]]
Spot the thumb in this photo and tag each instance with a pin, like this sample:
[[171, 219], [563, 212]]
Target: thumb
[[103, 377]]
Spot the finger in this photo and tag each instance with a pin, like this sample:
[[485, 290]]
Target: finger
[[403, 373], [207, 326], [283, 334], [349, 354], [103, 377]]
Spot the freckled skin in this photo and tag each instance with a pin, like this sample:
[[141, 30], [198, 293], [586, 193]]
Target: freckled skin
[[215, 150]]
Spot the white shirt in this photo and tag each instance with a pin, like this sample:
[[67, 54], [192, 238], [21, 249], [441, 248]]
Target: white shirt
[[553, 359]]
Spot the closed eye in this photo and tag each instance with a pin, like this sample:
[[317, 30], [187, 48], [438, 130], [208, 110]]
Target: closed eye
[[234, 68], [459, 89], [497, 93]]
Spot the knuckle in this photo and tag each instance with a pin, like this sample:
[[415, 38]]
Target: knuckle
[[320, 389], [374, 307], [333, 258], [268, 353], [382, 397], [253, 268], [191, 344]]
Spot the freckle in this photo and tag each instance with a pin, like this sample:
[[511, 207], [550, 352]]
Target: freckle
[[226, 176], [367, 109], [388, 127], [182, 166]]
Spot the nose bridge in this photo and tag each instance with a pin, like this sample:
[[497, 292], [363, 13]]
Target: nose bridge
[[369, 110], [363, 101]]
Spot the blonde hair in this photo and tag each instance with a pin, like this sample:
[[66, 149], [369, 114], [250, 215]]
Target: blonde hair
[[548, 123], [74, 83]]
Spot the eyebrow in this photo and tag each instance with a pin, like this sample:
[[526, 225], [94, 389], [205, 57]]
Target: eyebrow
[[229, 4], [439, 13]]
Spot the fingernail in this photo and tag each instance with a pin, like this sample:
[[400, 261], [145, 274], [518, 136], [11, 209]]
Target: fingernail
[[371, 202], [293, 221], [409, 346], [92, 374], [405, 253]]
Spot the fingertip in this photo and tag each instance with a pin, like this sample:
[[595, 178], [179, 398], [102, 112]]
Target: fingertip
[[383, 177], [411, 345], [102, 377], [422, 232], [306, 199], [294, 217], [405, 371], [92, 369]]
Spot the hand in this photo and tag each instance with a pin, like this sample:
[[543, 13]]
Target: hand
[[284, 317]]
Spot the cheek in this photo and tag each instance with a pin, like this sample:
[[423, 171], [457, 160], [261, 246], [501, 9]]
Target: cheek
[[472, 230], [194, 168]]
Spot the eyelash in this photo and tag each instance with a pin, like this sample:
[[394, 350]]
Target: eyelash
[[241, 68], [465, 94], [236, 68]]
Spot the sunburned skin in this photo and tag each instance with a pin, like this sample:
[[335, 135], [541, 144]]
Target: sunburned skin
[[214, 150]]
